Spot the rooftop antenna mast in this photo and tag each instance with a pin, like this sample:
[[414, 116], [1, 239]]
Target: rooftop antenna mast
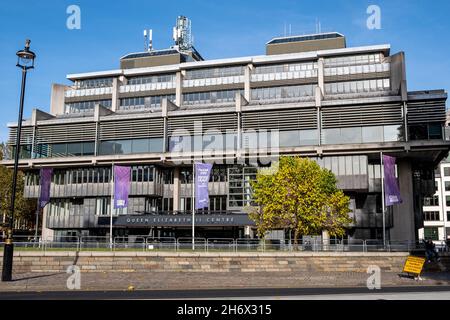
[[145, 40], [182, 34], [318, 26], [148, 40]]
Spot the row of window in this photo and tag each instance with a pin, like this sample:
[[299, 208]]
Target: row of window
[[431, 216], [130, 146], [228, 141], [214, 72], [86, 106], [93, 83], [357, 86], [433, 201], [56, 150], [285, 92], [425, 131], [367, 68], [354, 60], [218, 174], [210, 97], [226, 96], [144, 102], [362, 134], [144, 173], [63, 207], [287, 67], [152, 79]]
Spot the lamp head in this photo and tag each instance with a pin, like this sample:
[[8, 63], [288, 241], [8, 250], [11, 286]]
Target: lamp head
[[25, 57]]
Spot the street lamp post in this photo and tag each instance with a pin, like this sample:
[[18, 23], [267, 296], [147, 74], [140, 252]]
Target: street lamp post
[[25, 61]]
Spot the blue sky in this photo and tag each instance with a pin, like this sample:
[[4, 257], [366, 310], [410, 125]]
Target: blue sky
[[232, 28]]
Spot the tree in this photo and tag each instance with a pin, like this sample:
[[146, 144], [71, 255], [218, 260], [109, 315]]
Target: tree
[[24, 209], [301, 196]]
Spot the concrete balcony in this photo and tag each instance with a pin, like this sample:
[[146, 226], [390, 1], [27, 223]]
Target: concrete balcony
[[146, 87], [73, 93]]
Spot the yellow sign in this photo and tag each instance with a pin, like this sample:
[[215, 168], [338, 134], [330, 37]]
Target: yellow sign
[[414, 265]]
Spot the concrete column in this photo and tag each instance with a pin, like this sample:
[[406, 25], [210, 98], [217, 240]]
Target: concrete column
[[115, 95], [178, 88], [325, 239], [247, 80], [57, 99], [47, 234], [319, 94], [176, 189], [248, 232], [320, 76], [403, 214]]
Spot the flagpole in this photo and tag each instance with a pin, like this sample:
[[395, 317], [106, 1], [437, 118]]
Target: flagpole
[[193, 205], [36, 225], [382, 199], [112, 208]]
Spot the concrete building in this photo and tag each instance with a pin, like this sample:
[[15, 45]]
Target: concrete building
[[436, 208], [162, 109]]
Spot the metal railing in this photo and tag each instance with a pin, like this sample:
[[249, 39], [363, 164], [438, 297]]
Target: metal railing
[[148, 243]]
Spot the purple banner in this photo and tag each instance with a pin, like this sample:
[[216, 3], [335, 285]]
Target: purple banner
[[391, 190], [122, 178], [45, 181], [202, 173]]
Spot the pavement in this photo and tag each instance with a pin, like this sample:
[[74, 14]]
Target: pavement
[[172, 285]]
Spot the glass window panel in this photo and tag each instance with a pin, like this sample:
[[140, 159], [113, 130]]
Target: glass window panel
[[74, 149], [309, 137], [88, 148], [122, 147], [106, 147], [58, 149], [289, 138], [372, 134], [351, 135], [392, 133], [140, 145]]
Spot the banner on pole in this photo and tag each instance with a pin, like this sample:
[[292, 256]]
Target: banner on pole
[[391, 190], [122, 178], [45, 181], [201, 179]]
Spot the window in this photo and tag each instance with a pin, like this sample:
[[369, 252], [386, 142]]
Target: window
[[86, 106], [93, 83], [150, 102], [431, 216], [447, 201], [431, 233], [447, 171], [284, 92], [214, 73], [447, 185], [152, 79], [448, 215], [210, 97], [130, 146], [432, 201], [425, 131], [357, 86]]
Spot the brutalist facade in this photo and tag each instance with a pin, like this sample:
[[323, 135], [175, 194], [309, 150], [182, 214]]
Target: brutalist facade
[[163, 109]]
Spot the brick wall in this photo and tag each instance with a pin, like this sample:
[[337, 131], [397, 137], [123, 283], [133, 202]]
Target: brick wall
[[206, 262]]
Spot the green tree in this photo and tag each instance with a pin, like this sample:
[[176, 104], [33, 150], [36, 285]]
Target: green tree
[[301, 196], [24, 209]]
